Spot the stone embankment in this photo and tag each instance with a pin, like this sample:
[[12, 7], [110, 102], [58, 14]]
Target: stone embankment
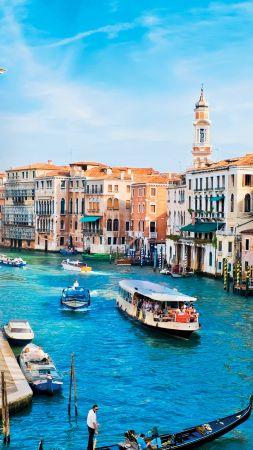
[[19, 393]]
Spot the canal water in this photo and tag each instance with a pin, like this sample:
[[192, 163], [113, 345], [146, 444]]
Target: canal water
[[138, 378]]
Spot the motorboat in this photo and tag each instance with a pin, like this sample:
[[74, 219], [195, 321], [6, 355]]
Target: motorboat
[[76, 266], [68, 251], [123, 262], [165, 271], [39, 370], [13, 262], [189, 438], [158, 307], [75, 298], [19, 332]]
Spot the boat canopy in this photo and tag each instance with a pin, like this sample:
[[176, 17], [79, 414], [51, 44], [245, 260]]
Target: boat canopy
[[155, 291]]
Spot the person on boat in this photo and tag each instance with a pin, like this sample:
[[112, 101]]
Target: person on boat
[[155, 443], [141, 442], [92, 425], [75, 284]]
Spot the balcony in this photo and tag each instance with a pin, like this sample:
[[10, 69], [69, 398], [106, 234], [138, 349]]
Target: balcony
[[139, 234], [153, 235], [93, 211], [87, 232]]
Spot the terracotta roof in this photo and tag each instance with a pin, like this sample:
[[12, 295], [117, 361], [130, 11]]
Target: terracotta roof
[[151, 179], [34, 166], [246, 160]]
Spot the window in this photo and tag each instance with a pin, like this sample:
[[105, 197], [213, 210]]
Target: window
[[232, 203], [139, 207], [200, 184], [223, 180], [109, 240], [128, 188], [196, 184], [76, 206], [233, 180], [247, 180], [109, 187], [206, 182], [190, 184], [210, 259], [76, 224], [62, 224], [220, 246], [116, 188], [49, 184], [246, 244], [109, 203], [143, 207], [132, 208], [229, 247], [71, 184], [219, 265], [63, 184], [247, 203], [101, 189], [218, 181], [128, 204], [229, 267], [190, 202], [123, 240], [77, 184], [153, 192], [152, 227], [109, 225], [42, 185], [61, 240], [70, 206], [127, 226], [115, 225], [211, 179], [23, 175], [82, 206], [114, 241], [152, 208], [115, 203], [87, 189], [62, 206]]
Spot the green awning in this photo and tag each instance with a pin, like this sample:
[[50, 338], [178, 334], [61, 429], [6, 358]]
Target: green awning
[[90, 218], [201, 227], [216, 199]]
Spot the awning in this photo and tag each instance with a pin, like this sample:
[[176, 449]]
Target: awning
[[216, 199], [90, 218], [201, 227]]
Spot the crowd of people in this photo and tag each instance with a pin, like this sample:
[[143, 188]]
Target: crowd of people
[[183, 310]]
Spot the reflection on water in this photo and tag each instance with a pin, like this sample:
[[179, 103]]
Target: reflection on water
[[138, 378]]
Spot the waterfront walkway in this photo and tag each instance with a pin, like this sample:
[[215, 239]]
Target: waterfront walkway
[[19, 393]]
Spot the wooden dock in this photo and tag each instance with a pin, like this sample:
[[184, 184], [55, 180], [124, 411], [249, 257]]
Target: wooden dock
[[19, 393]]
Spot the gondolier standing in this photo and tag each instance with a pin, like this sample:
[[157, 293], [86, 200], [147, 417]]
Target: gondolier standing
[[92, 425]]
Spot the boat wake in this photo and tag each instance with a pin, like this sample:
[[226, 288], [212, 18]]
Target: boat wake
[[108, 295]]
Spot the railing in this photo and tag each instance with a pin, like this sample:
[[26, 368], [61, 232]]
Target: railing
[[152, 235], [139, 234], [93, 210], [92, 232], [19, 233]]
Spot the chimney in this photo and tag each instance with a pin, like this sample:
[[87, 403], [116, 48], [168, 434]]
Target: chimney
[[50, 161]]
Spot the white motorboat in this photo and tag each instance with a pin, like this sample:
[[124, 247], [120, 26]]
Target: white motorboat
[[158, 307], [39, 370], [19, 332], [75, 266]]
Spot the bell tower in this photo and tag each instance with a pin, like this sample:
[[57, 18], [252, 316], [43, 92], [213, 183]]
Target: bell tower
[[202, 149]]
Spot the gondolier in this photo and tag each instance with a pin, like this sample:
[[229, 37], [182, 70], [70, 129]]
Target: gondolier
[[92, 425]]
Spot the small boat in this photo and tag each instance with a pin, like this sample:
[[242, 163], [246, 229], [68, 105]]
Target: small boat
[[19, 332], [75, 266], [158, 307], [190, 438], [39, 370], [68, 251], [165, 271], [13, 262], [123, 262], [75, 298]]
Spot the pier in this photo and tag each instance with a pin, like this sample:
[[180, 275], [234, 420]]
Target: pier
[[19, 393]]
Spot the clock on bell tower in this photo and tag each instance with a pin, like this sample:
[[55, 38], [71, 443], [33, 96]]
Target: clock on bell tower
[[201, 148]]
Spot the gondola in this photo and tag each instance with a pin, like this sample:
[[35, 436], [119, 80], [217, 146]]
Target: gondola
[[191, 438]]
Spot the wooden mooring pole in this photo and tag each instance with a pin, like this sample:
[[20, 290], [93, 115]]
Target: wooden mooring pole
[[5, 411], [71, 383]]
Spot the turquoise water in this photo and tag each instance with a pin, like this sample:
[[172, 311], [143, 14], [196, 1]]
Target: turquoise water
[[138, 378]]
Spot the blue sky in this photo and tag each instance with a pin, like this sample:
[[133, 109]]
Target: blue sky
[[116, 81]]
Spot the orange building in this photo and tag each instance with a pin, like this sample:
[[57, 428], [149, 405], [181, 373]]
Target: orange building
[[149, 211]]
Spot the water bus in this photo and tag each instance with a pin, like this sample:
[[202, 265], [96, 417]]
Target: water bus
[[159, 307], [13, 262]]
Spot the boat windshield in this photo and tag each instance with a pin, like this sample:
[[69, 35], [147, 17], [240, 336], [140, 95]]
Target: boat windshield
[[20, 330]]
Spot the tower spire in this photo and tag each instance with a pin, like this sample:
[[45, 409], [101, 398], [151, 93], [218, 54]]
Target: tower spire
[[201, 148]]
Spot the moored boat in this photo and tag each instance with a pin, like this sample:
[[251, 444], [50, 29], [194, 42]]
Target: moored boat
[[123, 261], [190, 438], [158, 307], [18, 332], [39, 370], [75, 298], [76, 266], [68, 251]]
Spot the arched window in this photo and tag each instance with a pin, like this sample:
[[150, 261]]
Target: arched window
[[206, 203], [82, 206], [116, 204], [115, 225], [109, 225], [70, 206], [109, 203], [210, 259], [247, 206], [62, 206], [76, 206], [196, 203], [232, 203], [200, 203]]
